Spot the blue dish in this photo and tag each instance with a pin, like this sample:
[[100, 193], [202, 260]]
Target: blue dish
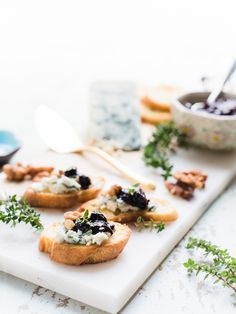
[[9, 145]]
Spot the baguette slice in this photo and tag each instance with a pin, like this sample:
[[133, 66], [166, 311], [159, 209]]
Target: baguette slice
[[72, 254], [154, 116], [160, 97], [66, 200], [166, 213]]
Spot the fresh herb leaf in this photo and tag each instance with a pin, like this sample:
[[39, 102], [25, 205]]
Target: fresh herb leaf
[[165, 138], [149, 224], [222, 266], [14, 211], [133, 188], [85, 216]]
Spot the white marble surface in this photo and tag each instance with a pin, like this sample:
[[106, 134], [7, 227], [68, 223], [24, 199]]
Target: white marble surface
[[116, 280], [169, 289]]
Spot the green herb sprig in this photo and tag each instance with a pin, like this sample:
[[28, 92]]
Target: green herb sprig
[[222, 266], [149, 224], [13, 211], [133, 188], [85, 216], [165, 138]]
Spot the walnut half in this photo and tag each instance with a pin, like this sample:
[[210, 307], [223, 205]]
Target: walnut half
[[114, 190], [180, 189], [186, 182], [72, 215], [19, 172], [195, 178], [15, 172]]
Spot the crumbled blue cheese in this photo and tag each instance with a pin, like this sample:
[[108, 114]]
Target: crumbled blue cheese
[[115, 204], [56, 185], [77, 237], [114, 115]]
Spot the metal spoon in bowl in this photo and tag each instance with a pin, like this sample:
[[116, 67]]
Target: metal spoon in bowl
[[61, 137], [217, 91]]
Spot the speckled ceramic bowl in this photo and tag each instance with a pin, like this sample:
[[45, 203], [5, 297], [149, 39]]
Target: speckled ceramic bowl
[[205, 129]]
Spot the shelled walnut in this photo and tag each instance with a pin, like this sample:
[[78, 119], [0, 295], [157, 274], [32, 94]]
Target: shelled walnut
[[186, 182], [180, 189], [72, 215], [114, 190], [195, 178], [20, 172]]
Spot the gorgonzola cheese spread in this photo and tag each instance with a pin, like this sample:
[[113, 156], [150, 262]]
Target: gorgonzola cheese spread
[[56, 185]]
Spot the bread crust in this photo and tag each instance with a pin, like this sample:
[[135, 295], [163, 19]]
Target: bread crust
[[62, 201], [153, 116], [155, 105], [72, 254], [160, 97], [170, 214]]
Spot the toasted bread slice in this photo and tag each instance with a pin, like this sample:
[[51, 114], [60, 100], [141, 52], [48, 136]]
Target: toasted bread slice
[[160, 97], [166, 213], [66, 200], [154, 116], [73, 254]]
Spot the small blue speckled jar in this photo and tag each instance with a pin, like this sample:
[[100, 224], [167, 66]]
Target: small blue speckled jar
[[205, 129]]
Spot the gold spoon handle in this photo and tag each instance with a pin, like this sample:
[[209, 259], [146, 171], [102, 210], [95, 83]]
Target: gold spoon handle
[[128, 174]]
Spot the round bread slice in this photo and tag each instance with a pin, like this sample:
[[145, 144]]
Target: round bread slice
[[65, 200], [154, 116], [165, 213], [75, 254], [160, 97]]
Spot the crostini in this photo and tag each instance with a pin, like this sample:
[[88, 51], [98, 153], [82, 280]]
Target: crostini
[[126, 205], [63, 190], [86, 240]]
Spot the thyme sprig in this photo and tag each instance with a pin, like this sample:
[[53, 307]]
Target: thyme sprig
[[149, 224], [222, 266], [14, 210], [133, 188], [165, 139], [85, 216]]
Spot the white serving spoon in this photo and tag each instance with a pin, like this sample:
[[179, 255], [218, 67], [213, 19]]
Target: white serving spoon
[[61, 137], [217, 91]]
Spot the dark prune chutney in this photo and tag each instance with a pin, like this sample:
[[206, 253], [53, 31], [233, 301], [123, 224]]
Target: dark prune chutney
[[97, 216], [82, 226], [101, 226], [95, 223], [83, 180], [135, 198], [223, 106], [71, 173]]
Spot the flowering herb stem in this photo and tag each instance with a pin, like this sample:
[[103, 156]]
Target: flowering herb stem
[[164, 139], [14, 211], [222, 266], [149, 224]]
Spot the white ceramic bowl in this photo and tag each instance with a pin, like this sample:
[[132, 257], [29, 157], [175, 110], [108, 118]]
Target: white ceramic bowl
[[205, 129]]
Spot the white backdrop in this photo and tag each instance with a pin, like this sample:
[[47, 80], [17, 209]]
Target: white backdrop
[[50, 50]]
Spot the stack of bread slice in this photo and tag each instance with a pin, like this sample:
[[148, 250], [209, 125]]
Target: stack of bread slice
[[156, 103]]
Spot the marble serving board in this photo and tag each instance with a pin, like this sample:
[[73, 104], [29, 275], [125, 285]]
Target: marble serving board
[[110, 285]]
